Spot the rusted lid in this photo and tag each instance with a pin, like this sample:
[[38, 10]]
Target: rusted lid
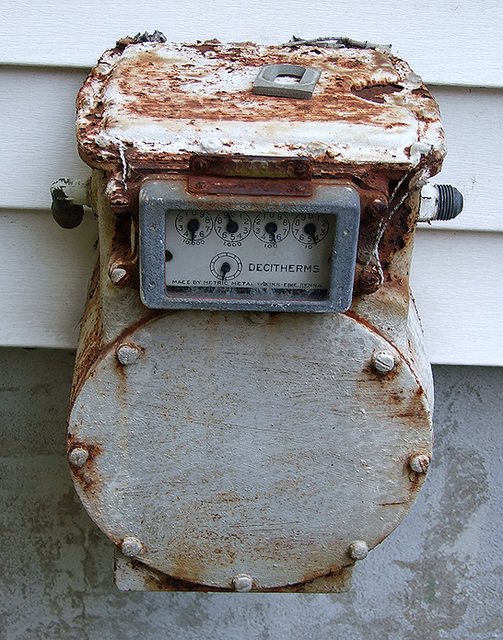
[[162, 102]]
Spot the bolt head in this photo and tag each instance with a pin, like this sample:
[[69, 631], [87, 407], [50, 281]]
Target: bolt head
[[128, 353], [201, 164], [378, 206], [370, 281], [131, 546], [383, 361], [78, 456], [358, 549], [242, 583], [119, 199], [117, 275], [420, 463]]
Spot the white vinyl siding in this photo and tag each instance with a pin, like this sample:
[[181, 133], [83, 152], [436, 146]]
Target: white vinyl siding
[[47, 48]]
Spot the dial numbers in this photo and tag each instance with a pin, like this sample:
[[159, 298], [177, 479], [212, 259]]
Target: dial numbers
[[271, 227], [310, 228], [226, 266], [232, 226], [193, 226]]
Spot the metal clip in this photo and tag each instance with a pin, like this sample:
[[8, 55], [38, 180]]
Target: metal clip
[[265, 84]]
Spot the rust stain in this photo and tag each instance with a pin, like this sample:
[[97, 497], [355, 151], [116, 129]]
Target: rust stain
[[97, 350], [249, 186], [210, 45], [155, 580], [173, 82], [161, 89], [376, 92], [90, 338], [123, 254], [87, 476]]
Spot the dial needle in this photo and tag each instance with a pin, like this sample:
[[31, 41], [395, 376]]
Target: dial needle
[[232, 225], [224, 269], [271, 228], [310, 230], [192, 227]]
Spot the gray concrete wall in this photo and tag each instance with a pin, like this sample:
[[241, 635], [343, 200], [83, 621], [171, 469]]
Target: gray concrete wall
[[439, 575]]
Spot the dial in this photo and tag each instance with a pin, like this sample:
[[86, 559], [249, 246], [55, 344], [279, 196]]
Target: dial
[[226, 266], [271, 227], [232, 226], [310, 228], [193, 226]]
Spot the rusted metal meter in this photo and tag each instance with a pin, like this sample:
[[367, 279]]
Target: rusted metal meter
[[251, 407]]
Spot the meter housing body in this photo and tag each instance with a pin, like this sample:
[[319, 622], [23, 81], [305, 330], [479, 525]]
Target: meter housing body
[[221, 434]]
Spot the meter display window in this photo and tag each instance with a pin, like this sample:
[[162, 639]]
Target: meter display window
[[219, 252]]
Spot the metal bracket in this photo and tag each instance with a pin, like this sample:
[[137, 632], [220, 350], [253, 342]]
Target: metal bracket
[[250, 175], [266, 83]]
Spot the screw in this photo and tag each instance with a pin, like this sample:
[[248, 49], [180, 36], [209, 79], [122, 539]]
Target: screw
[[242, 583], [383, 361], [300, 168], [301, 188], [200, 185], [370, 281], [117, 275], [358, 549], [119, 200], [378, 206], [131, 546], [420, 463], [201, 164], [78, 456], [128, 353]]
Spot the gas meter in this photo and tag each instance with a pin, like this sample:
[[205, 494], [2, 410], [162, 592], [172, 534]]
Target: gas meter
[[251, 407]]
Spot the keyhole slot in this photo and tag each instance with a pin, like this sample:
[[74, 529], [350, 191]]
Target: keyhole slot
[[286, 81]]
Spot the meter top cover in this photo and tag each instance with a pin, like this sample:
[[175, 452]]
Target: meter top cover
[[155, 102]]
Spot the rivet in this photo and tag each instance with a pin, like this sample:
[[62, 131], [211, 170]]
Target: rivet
[[128, 353], [358, 549], [131, 546], [420, 463], [242, 583], [117, 274], [78, 456], [301, 188], [383, 361], [259, 317]]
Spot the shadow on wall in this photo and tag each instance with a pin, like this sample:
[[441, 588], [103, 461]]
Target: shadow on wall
[[437, 576]]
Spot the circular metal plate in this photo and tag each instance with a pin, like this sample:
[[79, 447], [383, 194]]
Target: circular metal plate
[[232, 447]]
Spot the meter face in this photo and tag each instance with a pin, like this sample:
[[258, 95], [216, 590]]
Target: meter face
[[218, 252], [238, 254]]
